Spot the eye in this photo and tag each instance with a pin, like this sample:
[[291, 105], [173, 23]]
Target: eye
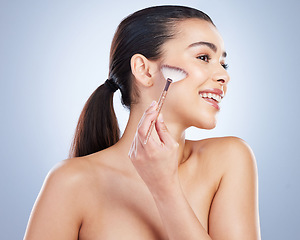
[[204, 58], [225, 66]]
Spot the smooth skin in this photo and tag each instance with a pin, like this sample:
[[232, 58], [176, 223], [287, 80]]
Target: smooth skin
[[170, 188]]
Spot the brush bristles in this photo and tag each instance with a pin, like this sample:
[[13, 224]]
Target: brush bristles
[[174, 73]]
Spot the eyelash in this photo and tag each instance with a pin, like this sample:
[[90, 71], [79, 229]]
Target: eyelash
[[207, 58], [225, 66]]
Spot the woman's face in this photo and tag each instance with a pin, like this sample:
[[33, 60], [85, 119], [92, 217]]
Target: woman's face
[[198, 49]]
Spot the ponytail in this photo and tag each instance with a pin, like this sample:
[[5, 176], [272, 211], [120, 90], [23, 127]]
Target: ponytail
[[97, 126]]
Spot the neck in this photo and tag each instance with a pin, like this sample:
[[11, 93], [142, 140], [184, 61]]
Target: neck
[[177, 132]]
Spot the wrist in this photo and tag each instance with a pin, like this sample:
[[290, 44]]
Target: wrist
[[167, 192]]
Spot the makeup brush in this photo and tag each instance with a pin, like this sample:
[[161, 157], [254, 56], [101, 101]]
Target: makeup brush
[[171, 74]]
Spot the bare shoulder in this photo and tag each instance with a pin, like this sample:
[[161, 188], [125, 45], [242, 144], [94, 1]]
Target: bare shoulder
[[61, 197], [68, 173], [69, 190], [69, 179], [79, 175], [232, 161], [238, 188], [227, 151], [223, 156], [229, 143]]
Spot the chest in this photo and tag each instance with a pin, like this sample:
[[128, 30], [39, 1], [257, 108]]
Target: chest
[[129, 211]]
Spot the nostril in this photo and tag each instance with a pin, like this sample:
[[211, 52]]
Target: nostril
[[221, 80]]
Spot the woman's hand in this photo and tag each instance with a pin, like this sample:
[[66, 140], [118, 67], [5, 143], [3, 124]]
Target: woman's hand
[[156, 161]]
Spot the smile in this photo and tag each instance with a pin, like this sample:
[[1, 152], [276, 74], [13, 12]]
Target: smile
[[212, 96]]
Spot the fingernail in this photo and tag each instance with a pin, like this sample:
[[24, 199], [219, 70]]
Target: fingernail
[[160, 118], [153, 103]]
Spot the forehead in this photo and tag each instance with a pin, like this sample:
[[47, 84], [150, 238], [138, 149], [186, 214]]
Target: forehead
[[195, 30]]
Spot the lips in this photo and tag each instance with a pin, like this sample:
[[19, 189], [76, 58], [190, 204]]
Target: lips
[[212, 96]]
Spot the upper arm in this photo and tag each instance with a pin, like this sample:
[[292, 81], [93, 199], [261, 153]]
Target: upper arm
[[56, 213], [234, 210]]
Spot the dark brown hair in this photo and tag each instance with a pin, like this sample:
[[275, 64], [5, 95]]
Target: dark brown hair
[[142, 32]]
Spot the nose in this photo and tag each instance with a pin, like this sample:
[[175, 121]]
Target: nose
[[221, 76]]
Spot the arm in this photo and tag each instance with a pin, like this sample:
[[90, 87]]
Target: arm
[[178, 217], [234, 210], [56, 212], [157, 165]]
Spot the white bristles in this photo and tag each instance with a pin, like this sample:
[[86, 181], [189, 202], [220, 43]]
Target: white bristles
[[174, 73]]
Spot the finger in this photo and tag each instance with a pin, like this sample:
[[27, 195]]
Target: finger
[[163, 132], [149, 116], [150, 147], [151, 109]]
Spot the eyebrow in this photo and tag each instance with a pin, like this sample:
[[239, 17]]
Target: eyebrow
[[212, 46]]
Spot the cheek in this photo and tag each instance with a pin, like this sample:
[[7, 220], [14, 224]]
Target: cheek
[[198, 74], [178, 95]]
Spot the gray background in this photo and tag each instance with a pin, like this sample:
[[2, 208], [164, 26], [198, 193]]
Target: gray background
[[54, 54]]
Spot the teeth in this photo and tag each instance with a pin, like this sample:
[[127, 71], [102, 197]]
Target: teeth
[[212, 95]]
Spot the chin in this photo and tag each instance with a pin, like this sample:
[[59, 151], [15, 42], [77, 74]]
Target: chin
[[208, 125], [209, 128]]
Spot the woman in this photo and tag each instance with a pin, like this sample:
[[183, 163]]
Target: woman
[[170, 187]]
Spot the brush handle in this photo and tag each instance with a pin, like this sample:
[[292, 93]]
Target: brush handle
[[159, 107]]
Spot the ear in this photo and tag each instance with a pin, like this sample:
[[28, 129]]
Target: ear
[[140, 67]]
